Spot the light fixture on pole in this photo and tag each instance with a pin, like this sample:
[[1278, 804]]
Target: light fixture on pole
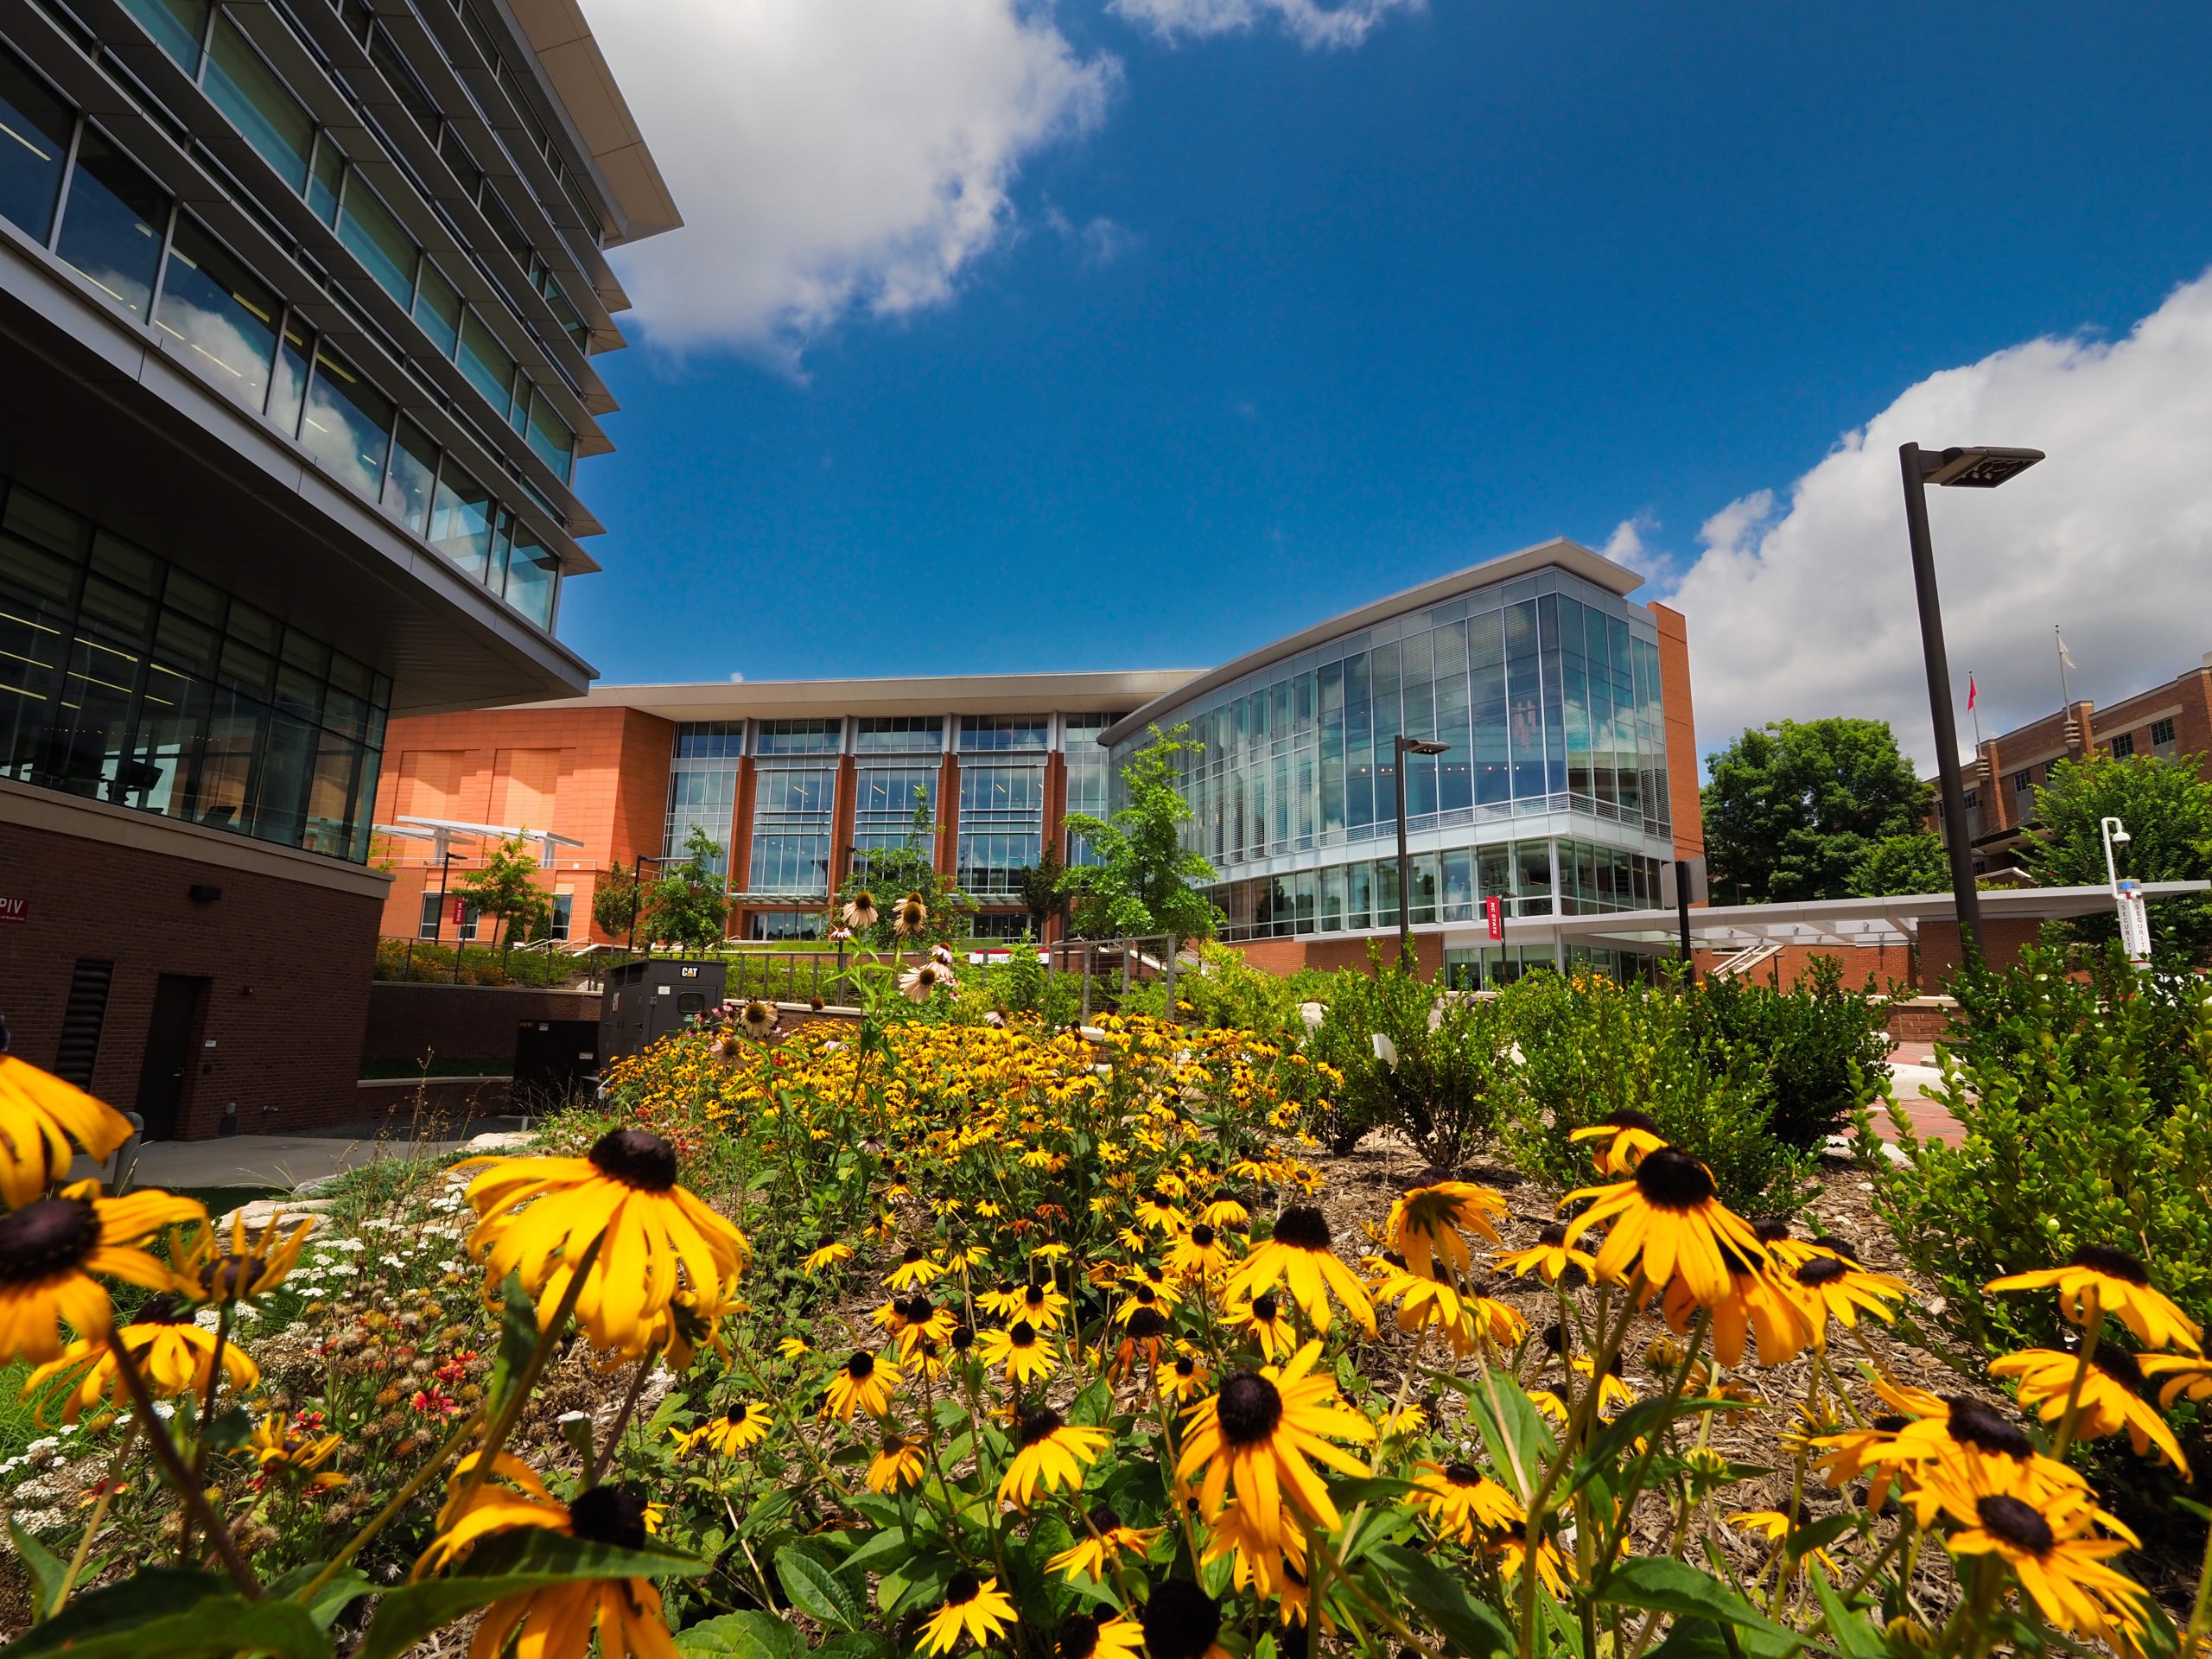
[[1405, 745], [2126, 898], [1980, 468]]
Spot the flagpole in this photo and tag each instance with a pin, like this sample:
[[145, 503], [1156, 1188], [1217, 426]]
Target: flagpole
[[2065, 692], [1976, 713]]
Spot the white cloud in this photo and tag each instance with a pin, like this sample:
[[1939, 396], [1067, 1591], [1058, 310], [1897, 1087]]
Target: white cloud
[[1345, 23], [1099, 240], [1627, 546], [1805, 607], [831, 156]]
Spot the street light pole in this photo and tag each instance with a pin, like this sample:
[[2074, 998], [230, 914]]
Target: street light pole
[[1404, 746], [1975, 468]]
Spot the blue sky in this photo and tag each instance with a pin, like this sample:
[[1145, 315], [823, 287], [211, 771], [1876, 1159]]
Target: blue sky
[[1264, 328]]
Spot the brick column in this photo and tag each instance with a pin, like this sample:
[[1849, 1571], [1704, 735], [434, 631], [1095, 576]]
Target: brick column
[[948, 816], [1683, 800], [845, 805], [1056, 812]]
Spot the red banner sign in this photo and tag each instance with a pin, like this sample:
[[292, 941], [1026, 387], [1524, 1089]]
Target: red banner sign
[[1494, 913]]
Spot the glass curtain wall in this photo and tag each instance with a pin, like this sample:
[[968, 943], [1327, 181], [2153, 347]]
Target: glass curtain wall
[[794, 806], [118, 229], [702, 787], [1089, 776], [125, 680], [1002, 801], [899, 756]]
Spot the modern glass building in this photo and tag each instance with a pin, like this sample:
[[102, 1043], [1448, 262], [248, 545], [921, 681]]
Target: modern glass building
[[299, 302], [1545, 684]]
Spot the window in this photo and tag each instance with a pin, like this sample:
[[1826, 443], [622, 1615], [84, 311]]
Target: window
[[2123, 746], [799, 736], [223, 321], [533, 577], [1001, 826], [550, 437], [34, 129], [564, 909], [486, 363], [2162, 739], [377, 239], [412, 480], [791, 809], [112, 228], [267, 116], [985, 733], [884, 808], [899, 734], [460, 521], [1972, 800], [326, 181], [178, 27], [348, 425], [437, 309], [2023, 780], [703, 785], [784, 924]]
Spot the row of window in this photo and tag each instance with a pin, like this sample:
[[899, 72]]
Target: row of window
[[455, 916], [64, 183], [886, 734], [128, 680], [239, 81]]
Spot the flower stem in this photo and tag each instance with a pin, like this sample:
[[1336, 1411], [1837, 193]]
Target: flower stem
[[189, 1491], [606, 1451], [2093, 1319], [92, 1526]]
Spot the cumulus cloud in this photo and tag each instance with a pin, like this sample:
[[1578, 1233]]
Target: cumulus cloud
[[1628, 546], [834, 156], [1311, 24], [1802, 606]]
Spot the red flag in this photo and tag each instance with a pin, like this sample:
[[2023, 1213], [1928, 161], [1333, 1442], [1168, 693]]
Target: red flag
[[1969, 694]]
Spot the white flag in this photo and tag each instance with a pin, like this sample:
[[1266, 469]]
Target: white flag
[[2064, 656]]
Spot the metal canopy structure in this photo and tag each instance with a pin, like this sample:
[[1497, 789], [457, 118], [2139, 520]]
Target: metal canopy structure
[[1832, 923], [441, 833]]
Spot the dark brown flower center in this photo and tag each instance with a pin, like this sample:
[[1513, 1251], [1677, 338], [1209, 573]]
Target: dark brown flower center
[[1974, 1423], [1463, 1474], [1077, 1638], [913, 1254], [1103, 1519], [961, 1588], [962, 1339], [1628, 1118], [1186, 1367], [1180, 1621], [1146, 1323], [2119, 1365], [636, 1158], [1038, 1424], [1820, 1270], [861, 1367], [1303, 1228], [1250, 1408], [609, 1515], [1264, 1306], [1771, 1230], [1673, 1180], [1203, 1236], [1554, 1235], [2113, 1264], [45, 1237], [735, 1415], [1023, 1332], [2011, 1521], [160, 1310]]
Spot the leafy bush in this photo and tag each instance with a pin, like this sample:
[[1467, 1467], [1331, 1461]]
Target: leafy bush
[[1224, 993], [1823, 1047], [2088, 1120], [1592, 1048], [1441, 1084], [416, 961]]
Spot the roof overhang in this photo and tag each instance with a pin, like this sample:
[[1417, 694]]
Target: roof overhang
[[1559, 553], [1101, 692]]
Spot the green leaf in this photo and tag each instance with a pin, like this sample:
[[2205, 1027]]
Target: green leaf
[[1803, 1540], [329, 1601], [1673, 1587], [767, 1513], [816, 1590], [517, 1336], [1347, 1490], [162, 1613], [1520, 1432], [47, 1569], [1643, 1419], [859, 1644], [750, 1635], [889, 1545], [1474, 1628], [511, 1565], [1857, 1637], [229, 1430]]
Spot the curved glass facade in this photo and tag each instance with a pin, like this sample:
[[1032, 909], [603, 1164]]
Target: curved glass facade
[[1551, 794]]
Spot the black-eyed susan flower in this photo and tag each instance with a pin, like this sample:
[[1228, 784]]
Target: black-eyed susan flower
[[1613, 1391], [1465, 1321], [559, 1620], [44, 1123], [1785, 1247], [793, 1347], [291, 1443], [916, 1267], [173, 1354], [1760, 1302], [1199, 1254], [972, 1606], [1264, 1322], [2111, 1281], [1666, 1218], [2178, 1376], [538, 1216], [1180, 1621], [1021, 1349], [51, 1247], [1184, 1377], [1094, 1635], [865, 1382], [2065, 1573], [1618, 1140], [1551, 1257], [1777, 1526], [1039, 1304], [1833, 1287], [1225, 1212], [2111, 1398], [1156, 1210], [218, 1273], [1271, 1568], [730, 1432], [1509, 1546], [1299, 1257], [826, 1254], [1051, 1453], [898, 1466], [1256, 1436], [1142, 1298], [1104, 1541], [1429, 1223], [1459, 1501]]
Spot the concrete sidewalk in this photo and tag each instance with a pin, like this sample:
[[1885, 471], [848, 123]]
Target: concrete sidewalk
[[286, 1161]]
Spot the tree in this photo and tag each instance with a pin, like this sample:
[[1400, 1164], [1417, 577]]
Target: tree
[[889, 873], [687, 905], [1793, 806], [2166, 806], [1913, 863], [1141, 883], [504, 891], [1041, 888], [617, 899]]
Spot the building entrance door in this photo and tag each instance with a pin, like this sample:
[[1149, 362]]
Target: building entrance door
[[165, 1078]]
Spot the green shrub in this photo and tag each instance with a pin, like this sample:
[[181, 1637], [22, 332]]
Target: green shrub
[[2089, 1120], [1592, 1048], [1224, 993], [1822, 1047], [1444, 1082]]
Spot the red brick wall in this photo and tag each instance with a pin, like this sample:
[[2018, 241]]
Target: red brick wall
[[287, 963], [1682, 798], [1287, 955], [1890, 964]]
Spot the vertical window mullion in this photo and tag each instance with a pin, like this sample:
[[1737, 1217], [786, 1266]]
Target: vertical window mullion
[[68, 183]]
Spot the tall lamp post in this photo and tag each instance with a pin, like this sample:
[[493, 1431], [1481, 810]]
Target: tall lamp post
[[1954, 468], [1407, 746]]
